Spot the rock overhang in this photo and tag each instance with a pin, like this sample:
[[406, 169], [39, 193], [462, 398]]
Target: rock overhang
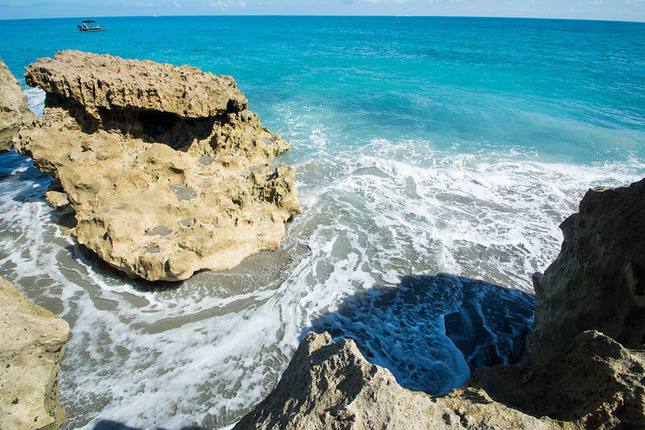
[[108, 82]]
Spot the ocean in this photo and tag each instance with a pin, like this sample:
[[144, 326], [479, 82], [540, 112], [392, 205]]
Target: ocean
[[423, 147]]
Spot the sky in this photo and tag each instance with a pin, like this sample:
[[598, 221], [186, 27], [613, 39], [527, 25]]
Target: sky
[[621, 10]]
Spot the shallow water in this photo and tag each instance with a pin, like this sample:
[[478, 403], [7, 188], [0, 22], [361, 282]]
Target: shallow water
[[421, 145]]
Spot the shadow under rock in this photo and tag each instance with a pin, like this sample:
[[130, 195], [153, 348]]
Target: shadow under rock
[[90, 258], [431, 332], [114, 425]]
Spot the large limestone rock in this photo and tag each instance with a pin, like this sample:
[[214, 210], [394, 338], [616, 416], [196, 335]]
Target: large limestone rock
[[14, 112], [598, 280], [33, 340], [331, 386], [165, 168], [596, 384]]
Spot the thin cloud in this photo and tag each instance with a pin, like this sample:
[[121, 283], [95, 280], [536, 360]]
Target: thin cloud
[[228, 3]]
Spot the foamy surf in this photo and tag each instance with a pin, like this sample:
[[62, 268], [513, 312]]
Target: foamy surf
[[132, 349], [431, 331]]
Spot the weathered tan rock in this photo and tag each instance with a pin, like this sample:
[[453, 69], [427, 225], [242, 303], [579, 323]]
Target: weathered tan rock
[[598, 280], [14, 112], [157, 195], [33, 340], [331, 386], [104, 82], [596, 382]]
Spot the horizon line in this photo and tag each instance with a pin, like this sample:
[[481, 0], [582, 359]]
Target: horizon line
[[328, 16]]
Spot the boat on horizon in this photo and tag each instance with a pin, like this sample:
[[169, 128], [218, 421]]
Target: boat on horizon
[[89, 25]]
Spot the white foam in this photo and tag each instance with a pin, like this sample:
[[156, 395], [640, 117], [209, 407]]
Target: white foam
[[206, 353], [35, 100]]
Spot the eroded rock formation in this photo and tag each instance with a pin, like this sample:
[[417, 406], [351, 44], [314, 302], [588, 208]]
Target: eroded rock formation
[[595, 383], [164, 166], [598, 280], [33, 341], [578, 378], [14, 112], [331, 385]]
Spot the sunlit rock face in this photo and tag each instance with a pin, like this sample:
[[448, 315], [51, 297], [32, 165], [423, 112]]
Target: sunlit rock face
[[32, 343], [330, 385], [164, 167], [14, 112]]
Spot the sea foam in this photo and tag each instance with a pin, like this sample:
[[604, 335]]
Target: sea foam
[[206, 350]]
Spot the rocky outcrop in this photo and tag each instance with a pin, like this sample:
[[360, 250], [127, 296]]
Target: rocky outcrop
[[331, 386], [14, 112], [596, 383], [581, 380], [33, 340], [598, 280], [103, 84], [165, 168]]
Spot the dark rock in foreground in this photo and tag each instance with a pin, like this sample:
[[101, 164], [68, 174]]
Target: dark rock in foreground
[[598, 280], [595, 383]]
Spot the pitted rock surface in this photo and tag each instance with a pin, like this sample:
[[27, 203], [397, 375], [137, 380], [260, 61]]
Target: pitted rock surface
[[14, 112], [33, 342], [598, 280], [132, 162]]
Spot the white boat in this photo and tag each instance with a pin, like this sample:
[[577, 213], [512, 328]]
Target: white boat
[[89, 25]]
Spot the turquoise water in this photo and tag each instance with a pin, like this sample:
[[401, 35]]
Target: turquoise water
[[568, 91], [422, 145]]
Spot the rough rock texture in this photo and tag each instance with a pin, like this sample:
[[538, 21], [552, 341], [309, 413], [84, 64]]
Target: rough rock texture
[[164, 166], [596, 382], [14, 112], [598, 280], [33, 340], [107, 83], [331, 386]]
